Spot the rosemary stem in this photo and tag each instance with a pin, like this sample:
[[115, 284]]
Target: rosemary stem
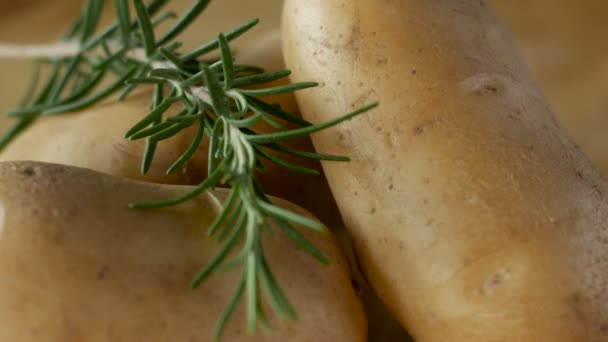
[[71, 49], [33, 51]]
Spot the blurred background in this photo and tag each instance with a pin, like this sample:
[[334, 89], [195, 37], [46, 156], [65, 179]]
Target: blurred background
[[563, 41]]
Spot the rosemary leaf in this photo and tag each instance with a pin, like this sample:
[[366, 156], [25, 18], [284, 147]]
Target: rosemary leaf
[[227, 61], [83, 103], [289, 88], [304, 131], [260, 78], [123, 18], [190, 151], [145, 24]]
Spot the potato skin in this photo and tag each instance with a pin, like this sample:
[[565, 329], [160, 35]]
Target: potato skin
[[474, 216], [77, 265]]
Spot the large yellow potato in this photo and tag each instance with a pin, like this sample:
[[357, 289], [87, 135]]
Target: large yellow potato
[[76, 264], [473, 214]]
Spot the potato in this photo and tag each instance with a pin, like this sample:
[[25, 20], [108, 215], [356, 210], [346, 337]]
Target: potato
[[312, 192], [473, 215], [76, 264], [94, 139]]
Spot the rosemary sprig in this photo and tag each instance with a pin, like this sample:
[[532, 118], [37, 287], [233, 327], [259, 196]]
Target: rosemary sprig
[[214, 96]]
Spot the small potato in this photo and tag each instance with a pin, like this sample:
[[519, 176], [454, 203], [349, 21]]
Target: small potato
[[77, 265]]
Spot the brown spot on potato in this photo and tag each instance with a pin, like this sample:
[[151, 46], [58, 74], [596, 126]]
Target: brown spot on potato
[[421, 127], [491, 89], [514, 117], [28, 171], [103, 272], [483, 84], [494, 281], [382, 61]]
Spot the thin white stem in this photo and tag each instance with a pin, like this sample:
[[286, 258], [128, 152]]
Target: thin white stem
[[67, 49], [140, 55], [33, 51]]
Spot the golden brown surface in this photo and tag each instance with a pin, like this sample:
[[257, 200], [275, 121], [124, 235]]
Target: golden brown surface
[[473, 215], [77, 265]]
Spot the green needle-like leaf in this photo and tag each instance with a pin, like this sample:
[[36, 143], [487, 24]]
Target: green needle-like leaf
[[274, 294], [304, 131], [229, 309], [227, 61], [300, 240], [307, 155], [196, 142], [91, 18], [288, 88], [150, 118], [276, 111], [252, 293], [260, 78], [218, 97], [219, 219], [124, 21], [31, 87], [78, 105], [173, 58], [17, 127], [206, 184], [148, 155], [287, 165], [146, 27], [221, 254], [59, 86], [290, 216]]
